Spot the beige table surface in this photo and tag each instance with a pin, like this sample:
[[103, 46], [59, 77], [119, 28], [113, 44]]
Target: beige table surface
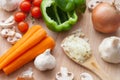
[[85, 23]]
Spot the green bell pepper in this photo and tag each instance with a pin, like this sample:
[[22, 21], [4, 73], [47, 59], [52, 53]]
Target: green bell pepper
[[80, 5], [65, 5], [69, 5], [55, 18]]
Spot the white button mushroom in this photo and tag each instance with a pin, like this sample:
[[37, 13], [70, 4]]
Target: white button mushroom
[[4, 33], [93, 3], [14, 39], [26, 75], [8, 30], [45, 61], [64, 74], [18, 35], [110, 49], [86, 76], [8, 23], [10, 20], [11, 33]]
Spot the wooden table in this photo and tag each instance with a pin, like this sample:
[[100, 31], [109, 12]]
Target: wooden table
[[84, 23]]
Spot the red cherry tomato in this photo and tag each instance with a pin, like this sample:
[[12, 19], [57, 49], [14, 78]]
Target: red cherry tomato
[[36, 13], [19, 16], [23, 26], [25, 6], [28, 0], [37, 3]]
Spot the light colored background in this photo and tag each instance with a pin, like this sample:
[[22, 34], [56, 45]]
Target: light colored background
[[85, 23]]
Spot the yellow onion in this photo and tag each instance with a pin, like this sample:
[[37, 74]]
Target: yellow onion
[[106, 18]]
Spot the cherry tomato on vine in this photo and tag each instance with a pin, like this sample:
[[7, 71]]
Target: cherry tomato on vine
[[25, 6], [23, 26], [19, 16], [35, 12], [37, 2]]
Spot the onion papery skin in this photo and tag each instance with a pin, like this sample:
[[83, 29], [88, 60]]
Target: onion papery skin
[[105, 18]]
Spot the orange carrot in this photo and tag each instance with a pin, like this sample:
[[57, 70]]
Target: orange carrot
[[28, 34], [28, 56], [33, 40]]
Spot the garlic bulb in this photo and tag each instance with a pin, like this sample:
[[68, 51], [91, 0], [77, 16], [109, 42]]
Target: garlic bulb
[[110, 49], [45, 61], [9, 5]]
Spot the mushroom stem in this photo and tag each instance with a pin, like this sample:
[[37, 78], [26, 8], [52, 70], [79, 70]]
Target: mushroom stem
[[64, 74], [64, 71]]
